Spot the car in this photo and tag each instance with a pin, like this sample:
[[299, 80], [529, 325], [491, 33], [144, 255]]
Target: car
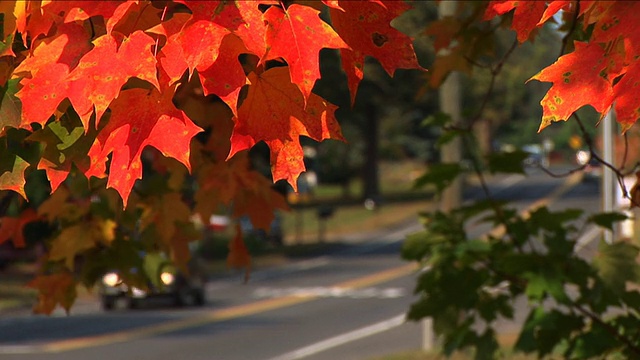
[[157, 277], [535, 156], [274, 236]]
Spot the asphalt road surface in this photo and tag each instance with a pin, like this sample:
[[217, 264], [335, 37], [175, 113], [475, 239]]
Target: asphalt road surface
[[348, 304]]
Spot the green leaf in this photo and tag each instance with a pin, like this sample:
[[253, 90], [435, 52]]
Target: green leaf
[[447, 137], [546, 281], [473, 247], [6, 46], [616, 264], [480, 206], [545, 329], [487, 345], [593, 344], [438, 119], [439, 175], [507, 162], [12, 169], [417, 245], [10, 106], [607, 219]]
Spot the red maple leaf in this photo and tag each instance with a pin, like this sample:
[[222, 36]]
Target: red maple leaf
[[579, 79], [619, 18], [171, 59], [627, 97], [200, 41], [192, 45], [239, 256], [54, 289], [274, 111], [225, 78], [365, 27], [525, 18], [11, 228], [553, 8], [223, 13], [85, 9], [235, 183], [297, 34], [99, 76], [253, 32], [46, 70], [140, 117]]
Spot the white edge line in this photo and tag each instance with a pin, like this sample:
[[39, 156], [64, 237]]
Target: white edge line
[[20, 349], [587, 238], [343, 339]]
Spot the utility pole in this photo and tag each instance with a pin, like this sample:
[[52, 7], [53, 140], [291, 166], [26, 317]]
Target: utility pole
[[450, 104], [608, 190]]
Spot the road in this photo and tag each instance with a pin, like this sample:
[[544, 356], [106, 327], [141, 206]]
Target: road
[[348, 304]]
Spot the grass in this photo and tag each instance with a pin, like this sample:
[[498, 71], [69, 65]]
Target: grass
[[302, 226], [399, 203]]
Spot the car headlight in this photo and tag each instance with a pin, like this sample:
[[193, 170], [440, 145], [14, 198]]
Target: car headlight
[[167, 278], [111, 279]]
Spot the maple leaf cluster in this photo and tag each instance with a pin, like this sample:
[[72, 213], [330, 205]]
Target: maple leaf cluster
[[87, 54], [89, 88], [601, 72]]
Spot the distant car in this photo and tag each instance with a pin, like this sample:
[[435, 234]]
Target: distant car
[[536, 155], [161, 279], [275, 235]]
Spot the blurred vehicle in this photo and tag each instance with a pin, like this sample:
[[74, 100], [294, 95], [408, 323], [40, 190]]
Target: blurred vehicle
[[592, 168], [160, 278], [536, 155], [275, 235], [10, 254]]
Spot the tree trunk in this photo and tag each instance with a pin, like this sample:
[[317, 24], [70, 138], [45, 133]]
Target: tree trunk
[[370, 178]]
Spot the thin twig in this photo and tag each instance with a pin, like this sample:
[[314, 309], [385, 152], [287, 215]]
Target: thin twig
[[572, 29], [608, 327]]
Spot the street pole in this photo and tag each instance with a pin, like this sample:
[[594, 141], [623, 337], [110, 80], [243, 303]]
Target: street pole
[[449, 94]]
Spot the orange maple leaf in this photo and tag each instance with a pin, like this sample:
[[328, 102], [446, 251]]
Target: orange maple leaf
[[46, 70], [53, 290], [309, 34], [97, 79], [274, 111], [579, 79], [139, 118], [365, 27]]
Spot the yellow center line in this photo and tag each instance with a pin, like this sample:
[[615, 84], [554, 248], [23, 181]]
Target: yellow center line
[[216, 315]]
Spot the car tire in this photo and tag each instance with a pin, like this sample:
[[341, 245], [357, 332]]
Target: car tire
[[199, 298], [108, 303], [183, 297], [133, 303]]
